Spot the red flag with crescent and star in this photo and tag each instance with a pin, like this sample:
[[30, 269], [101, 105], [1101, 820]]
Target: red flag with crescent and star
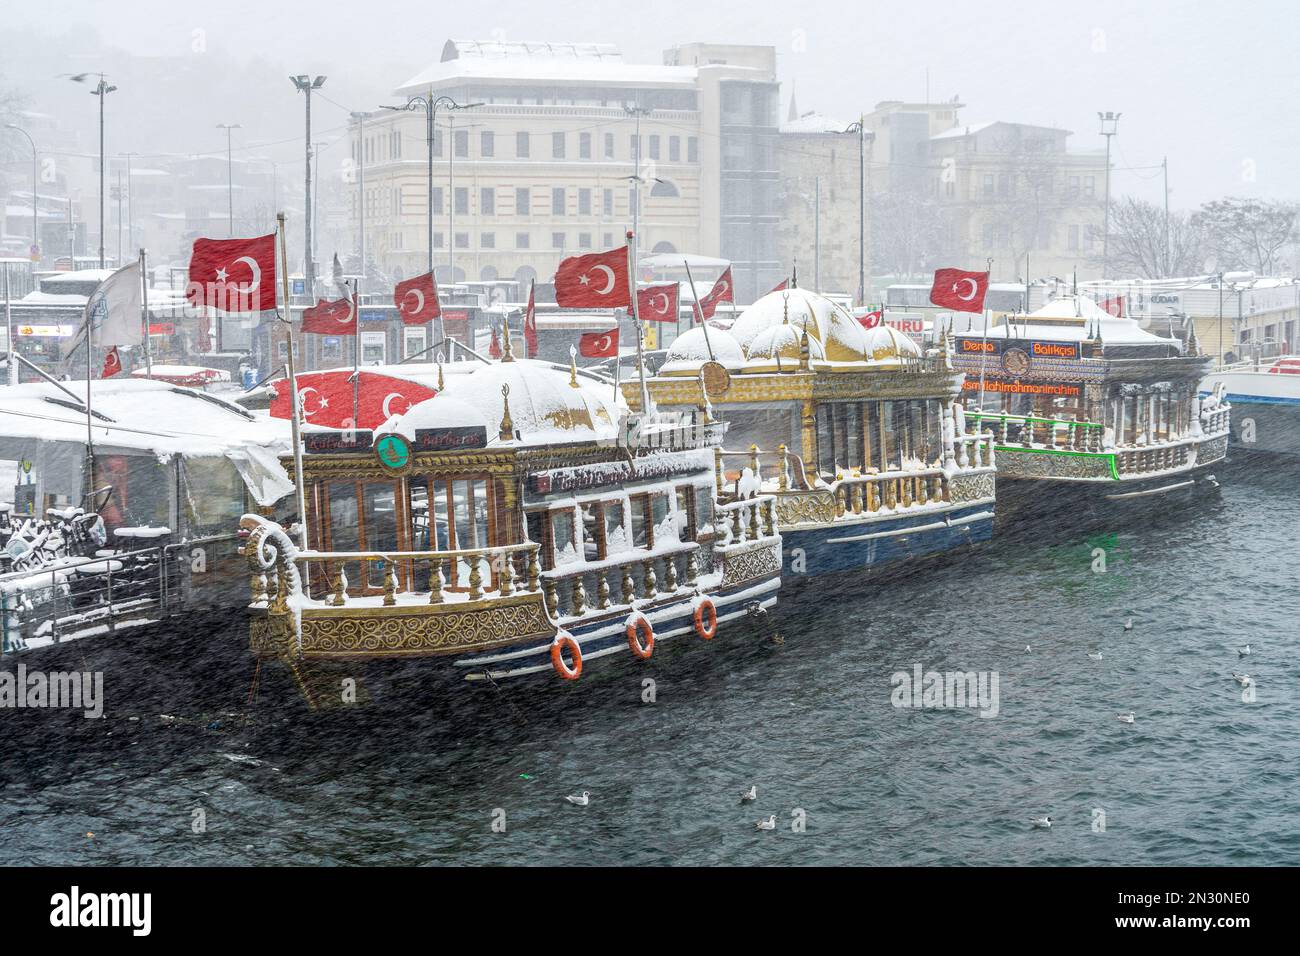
[[721, 292], [494, 349], [417, 300], [785, 284], [530, 324], [330, 318], [959, 290], [112, 363], [658, 303], [233, 275], [599, 344], [869, 320], [595, 281], [325, 398]]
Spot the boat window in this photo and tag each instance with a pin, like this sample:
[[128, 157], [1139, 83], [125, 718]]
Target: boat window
[[888, 436], [686, 522], [344, 526], [214, 495], [704, 509], [591, 531], [640, 527], [871, 434], [825, 442], [419, 508], [853, 434], [664, 526], [615, 533], [562, 531], [379, 522]]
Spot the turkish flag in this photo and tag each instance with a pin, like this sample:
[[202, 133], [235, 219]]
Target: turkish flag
[[599, 344], [721, 292], [325, 398], [112, 363], [596, 281], [330, 318], [785, 284], [1114, 305], [494, 350], [530, 324], [869, 320], [233, 275], [959, 290], [658, 303], [417, 300]]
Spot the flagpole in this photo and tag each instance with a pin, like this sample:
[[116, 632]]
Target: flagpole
[[530, 352], [293, 391], [698, 312], [11, 371], [90, 436], [636, 320], [356, 359], [144, 318], [984, 355]]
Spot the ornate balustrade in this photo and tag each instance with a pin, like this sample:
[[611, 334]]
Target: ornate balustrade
[[858, 494], [1029, 431], [620, 580]]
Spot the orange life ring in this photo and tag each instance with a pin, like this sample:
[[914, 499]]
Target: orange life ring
[[706, 609], [557, 657], [641, 637]]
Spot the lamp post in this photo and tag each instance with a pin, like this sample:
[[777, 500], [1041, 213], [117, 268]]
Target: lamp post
[[1109, 125], [860, 128], [35, 234], [360, 166], [230, 176], [636, 112], [305, 84], [102, 89], [431, 104]]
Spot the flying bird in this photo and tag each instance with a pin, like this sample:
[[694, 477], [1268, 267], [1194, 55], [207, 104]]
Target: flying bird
[[581, 801]]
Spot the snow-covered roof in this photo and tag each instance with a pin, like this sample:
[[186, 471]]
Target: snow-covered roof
[[674, 260], [157, 418], [690, 350], [80, 275], [1073, 318], [815, 122], [965, 129]]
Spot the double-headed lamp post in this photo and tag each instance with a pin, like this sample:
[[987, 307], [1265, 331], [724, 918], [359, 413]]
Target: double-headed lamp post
[[431, 104], [305, 84], [36, 236], [860, 128], [102, 89], [230, 175], [1109, 126]]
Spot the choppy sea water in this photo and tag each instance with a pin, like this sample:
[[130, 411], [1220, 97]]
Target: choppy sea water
[[1200, 777]]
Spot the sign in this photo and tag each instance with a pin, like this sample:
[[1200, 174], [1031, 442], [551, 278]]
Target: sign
[[35, 252], [1056, 350], [393, 451], [335, 443], [374, 315], [1006, 386], [51, 331], [599, 474], [1035, 349], [162, 328], [450, 439], [716, 379], [299, 286]]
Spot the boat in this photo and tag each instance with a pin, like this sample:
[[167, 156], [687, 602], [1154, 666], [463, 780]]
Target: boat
[[519, 522], [1085, 401], [857, 433], [1267, 397]]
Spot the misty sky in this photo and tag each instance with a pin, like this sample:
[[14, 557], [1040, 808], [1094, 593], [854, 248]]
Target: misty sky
[[1211, 85]]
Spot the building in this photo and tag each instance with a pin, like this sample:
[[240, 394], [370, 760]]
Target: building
[[543, 164]]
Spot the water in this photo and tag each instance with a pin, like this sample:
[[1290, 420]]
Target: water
[[1199, 778]]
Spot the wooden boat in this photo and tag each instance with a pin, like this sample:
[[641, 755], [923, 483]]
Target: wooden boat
[[519, 522], [856, 432]]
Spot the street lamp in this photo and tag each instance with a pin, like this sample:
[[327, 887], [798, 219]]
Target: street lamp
[[305, 84], [102, 89], [360, 166], [1109, 126], [36, 238], [230, 175], [636, 112], [860, 128]]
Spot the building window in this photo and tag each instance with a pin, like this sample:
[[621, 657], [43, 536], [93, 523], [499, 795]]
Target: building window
[[584, 202], [607, 203], [557, 146], [557, 201], [487, 201], [609, 145], [584, 240], [1073, 242], [487, 240], [412, 340], [988, 185], [462, 144], [557, 240], [462, 240], [664, 189], [462, 200], [633, 147], [437, 142], [987, 236], [487, 144], [608, 240], [521, 145], [437, 240], [521, 200], [654, 147], [521, 240], [397, 145], [584, 146], [1089, 186], [437, 200], [674, 149], [692, 149], [1074, 186]]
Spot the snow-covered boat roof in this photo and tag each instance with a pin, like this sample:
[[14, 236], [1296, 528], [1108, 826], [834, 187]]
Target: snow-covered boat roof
[[1075, 318], [157, 418]]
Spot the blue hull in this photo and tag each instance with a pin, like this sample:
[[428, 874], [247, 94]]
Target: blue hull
[[876, 542]]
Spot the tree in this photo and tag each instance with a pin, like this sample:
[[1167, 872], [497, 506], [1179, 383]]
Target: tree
[[1248, 233], [1140, 247], [908, 233]]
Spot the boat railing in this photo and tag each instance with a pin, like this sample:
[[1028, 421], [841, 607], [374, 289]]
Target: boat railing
[[869, 493], [1215, 421], [622, 579], [789, 467], [746, 519], [1032, 431], [974, 450]]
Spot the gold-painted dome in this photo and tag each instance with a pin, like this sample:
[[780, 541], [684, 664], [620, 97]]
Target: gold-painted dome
[[779, 347], [840, 337], [886, 343]]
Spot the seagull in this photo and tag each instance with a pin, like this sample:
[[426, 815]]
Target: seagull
[[1243, 651], [1245, 680], [1042, 823], [1125, 718], [749, 795], [581, 801], [1095, 655], [1026, 648], [768, 824], [1128, 624]]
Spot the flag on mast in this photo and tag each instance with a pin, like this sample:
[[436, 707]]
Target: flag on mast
[[112, 312], [530, 323]]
